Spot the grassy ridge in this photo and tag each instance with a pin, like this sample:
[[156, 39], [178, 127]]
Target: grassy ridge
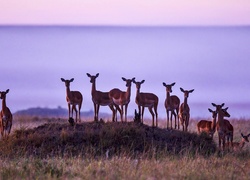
[[103, 139]]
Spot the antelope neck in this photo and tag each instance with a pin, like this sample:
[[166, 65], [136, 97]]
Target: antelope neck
[[168, 97], [137, 91], [68, 92], [214, 123], [128, 92], [242, 143], [220, 118], [185, 100], [3, 103], [93, 88]]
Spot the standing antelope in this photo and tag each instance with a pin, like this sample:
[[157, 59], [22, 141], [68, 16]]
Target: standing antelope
[[230, 129], [149, 100], [100, 98], [208, 127], [5, 116], [222, 127], [121, 98], [73, 98], [237, 146], [172, 104], [184, 111]]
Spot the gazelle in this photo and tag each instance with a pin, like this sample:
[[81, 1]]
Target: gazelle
[[237, 146], [73, 98], [172, 104], [222, 128], [230, 129], [5, 115], [184, 111], [149, 100], [99, 98], [121, 98], [208, 127]]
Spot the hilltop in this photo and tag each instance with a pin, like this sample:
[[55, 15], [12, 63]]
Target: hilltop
[[103, 139]]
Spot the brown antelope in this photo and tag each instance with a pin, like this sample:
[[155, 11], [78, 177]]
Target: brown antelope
[[5, 115], [73, 98], [172, 104], [99, 98], [222, 127], [237, 146], [149, 100], [121, 98], [184, 111], [208, 127], [230, 131]]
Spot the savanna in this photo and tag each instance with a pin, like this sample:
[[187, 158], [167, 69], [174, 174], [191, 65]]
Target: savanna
[[51, 148]]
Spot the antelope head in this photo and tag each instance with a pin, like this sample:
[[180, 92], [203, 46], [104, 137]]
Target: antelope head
[[245, 137], [3, 94], [128, 81], [138, 84], [67, 82], [218, 106], [92, 78], [168, 86], [186, 92]]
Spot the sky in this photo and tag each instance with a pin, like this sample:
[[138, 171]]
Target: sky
[[118, 13], [213, 61], [125, 12]]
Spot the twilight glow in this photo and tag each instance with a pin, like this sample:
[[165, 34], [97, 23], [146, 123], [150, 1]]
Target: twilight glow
[[125, 12]]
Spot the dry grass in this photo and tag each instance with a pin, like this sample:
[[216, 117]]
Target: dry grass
[[228, 167], [23, 161]]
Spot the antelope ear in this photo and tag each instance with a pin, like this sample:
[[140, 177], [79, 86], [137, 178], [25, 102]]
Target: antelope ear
[[88, 75], [210, 110], [222, 104], [133, 80], [226, 108], [124, 79], [7, 90], [97, 75], [191, 91], [182, 90], [213, 104], [164, 84], [242, 135], [173, 84], [63, 80], [142, 81], [71, 80]]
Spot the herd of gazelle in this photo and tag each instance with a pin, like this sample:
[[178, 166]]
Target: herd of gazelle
[[118, 100]]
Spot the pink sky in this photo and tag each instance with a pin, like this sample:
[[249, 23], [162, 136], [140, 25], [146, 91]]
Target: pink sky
[[125, 12]]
